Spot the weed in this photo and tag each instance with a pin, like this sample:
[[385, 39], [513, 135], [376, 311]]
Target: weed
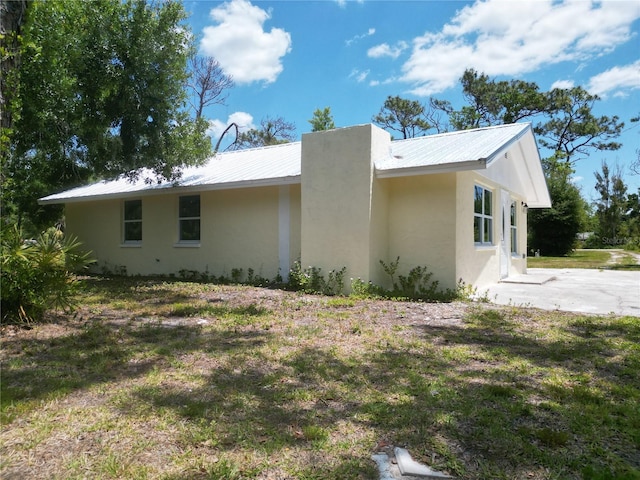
[[499, 393]]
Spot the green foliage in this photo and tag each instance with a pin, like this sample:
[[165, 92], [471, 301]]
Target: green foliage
[[362, 289], [102, 93], [611, 207], [311, 280], [495, 103], [416, 285], [391, 268], [567, 124], [38, 275], [553, 230], [272, 131], [572, 129], [405, 116], [322, 120]]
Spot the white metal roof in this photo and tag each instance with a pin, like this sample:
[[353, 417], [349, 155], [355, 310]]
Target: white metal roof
[[454, 150], [275, 165], [281, 164]]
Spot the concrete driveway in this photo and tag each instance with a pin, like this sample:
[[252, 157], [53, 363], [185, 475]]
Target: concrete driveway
[[598, 292]]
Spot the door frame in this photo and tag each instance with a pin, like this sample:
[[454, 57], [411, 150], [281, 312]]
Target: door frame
[[505, 234]]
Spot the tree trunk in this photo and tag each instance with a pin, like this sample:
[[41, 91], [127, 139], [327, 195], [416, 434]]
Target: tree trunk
[[12, 17]]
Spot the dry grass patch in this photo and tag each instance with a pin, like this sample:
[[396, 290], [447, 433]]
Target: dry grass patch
[[195, 381]]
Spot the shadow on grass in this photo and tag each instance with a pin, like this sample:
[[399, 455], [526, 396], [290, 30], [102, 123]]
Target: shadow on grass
[[100, 352], [489, 397]]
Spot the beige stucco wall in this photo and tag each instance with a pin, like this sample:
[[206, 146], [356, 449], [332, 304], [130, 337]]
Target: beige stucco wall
[[480, 265], [422, 225], [295, 227], [338, 227], [239, 229], [340, 215]]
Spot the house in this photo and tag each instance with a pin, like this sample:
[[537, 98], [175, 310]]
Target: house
[[455, 202]]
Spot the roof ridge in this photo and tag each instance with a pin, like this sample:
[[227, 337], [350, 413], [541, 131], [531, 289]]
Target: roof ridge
[[459, 132], [256, 149]]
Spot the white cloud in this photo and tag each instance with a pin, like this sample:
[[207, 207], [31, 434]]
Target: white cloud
[[563, 84], [616, 80], [358, 75], [244, 121], [576, 179], [355, 38], [526, 36], [343, 3], [239, 42], [384, 50]]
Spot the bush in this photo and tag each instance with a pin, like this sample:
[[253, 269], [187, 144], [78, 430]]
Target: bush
[[311, 280], [38, 275], [418, 285]]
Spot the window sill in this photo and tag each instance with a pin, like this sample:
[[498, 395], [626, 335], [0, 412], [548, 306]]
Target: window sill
[[483, 246], [131, 245], [187, 245]]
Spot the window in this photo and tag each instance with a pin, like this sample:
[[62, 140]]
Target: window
[[189, 218], [132, 221], [514, 229], [483, 216]]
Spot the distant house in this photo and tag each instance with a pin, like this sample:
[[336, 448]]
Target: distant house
[[455, 202]]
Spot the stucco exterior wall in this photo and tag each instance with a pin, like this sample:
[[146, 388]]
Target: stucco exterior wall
[[422, 225], [340, 215], [97, 226], [480, 265], [337, 197], [239, 229], [295, 227], [476, 265]]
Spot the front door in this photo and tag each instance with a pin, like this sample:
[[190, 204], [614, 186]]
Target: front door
[[505, 234]]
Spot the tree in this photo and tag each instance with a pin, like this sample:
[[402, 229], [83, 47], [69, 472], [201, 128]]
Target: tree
[[12, 17], [401, 115], [492, 102], [630, 229], [102, 90], [208, 83], [566, 126], [322, 120], [572, 129], [272, 131], [612, 204], [553, 230]]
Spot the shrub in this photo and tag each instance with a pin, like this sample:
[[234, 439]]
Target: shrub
[[417, 285], [38, 275], [311, 280], [362, 289]]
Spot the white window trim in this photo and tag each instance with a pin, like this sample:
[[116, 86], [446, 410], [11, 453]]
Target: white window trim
[[490, 244], [130, 243], [188, 243], [513, 229]]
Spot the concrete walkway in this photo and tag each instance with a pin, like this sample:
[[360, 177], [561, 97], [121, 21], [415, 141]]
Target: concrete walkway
[[597, 292]]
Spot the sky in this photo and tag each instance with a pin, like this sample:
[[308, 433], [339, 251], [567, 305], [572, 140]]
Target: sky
[[289, 58]]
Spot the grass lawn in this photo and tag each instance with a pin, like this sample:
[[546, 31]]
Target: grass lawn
[[606, 259], [172, 380]]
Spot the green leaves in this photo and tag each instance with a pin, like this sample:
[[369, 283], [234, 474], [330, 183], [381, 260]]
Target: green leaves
[[103, 94], [405, 116], [322, 120], [38, 274]]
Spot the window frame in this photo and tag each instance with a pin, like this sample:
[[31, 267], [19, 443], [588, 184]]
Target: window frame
[[189, 218], [513, 216], [483, 221], [130, 221]]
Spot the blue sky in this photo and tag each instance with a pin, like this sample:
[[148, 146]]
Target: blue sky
[[289, 58]]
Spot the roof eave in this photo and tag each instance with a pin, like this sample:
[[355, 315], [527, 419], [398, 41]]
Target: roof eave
[[431, 169], [270, 182]]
